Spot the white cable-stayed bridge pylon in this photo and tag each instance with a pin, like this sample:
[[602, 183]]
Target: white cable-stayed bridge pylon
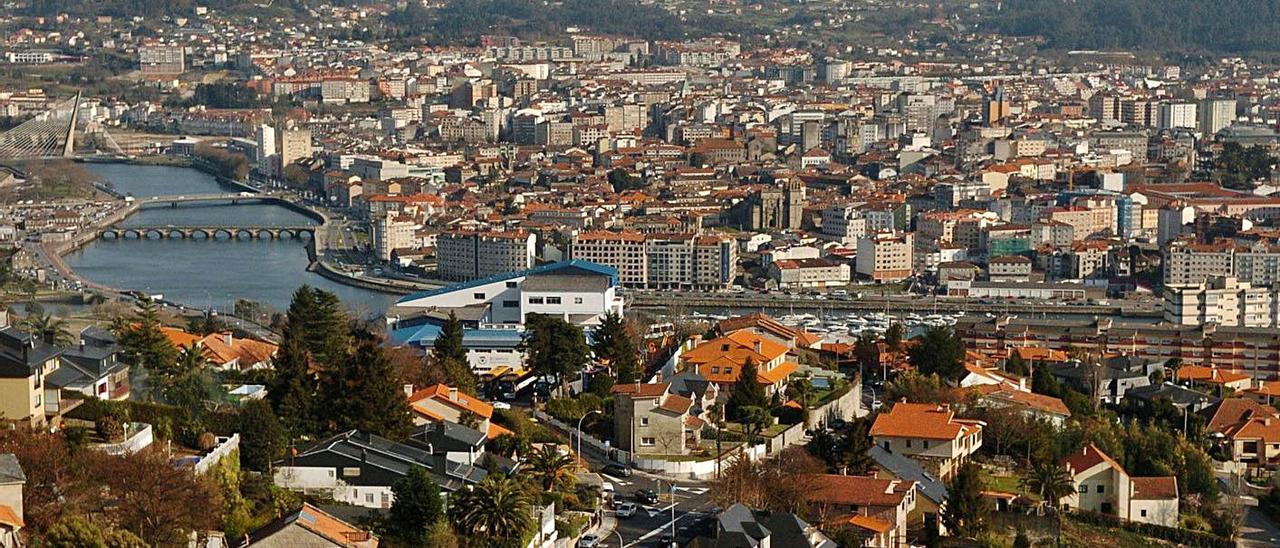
[[59, 132]]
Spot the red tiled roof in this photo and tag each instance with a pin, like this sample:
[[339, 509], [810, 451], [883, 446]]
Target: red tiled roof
[[858, 490], [1155, 488], [1087, 458]]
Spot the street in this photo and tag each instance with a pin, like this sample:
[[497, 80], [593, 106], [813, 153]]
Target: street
[[693, 508]]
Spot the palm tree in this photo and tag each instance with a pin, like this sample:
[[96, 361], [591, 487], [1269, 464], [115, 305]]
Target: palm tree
[[191, 358], [496, 510], [802, 391], [550, 466], [1050, 481], [51, 330]]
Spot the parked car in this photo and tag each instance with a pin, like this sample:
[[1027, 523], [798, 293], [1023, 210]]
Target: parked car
[[626, 510], [616, 470], [588, 541], [647, 496]]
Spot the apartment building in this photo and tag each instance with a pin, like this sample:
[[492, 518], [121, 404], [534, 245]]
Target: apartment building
[[463, 256], [392, 232], [661, 261], [1189, 263], [25, 364], [815, 273], [929, 434], [1222, 300], [161, 60], [885, 256]]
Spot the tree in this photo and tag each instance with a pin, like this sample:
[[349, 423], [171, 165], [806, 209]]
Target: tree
[[316, 319], [416, 506], [866, 350], [262, 436], [78, 532], [894, 335], [458, 374], [51, 330], [143, 344], [493, 513], [940, 351], [160, 503], [747, 392], [555, 347], [1015, 365], [966, 513], [614, 344], [802, 391], [448, 344], [1021, 540], [1049, 480], [754, 419], [362, 392], [551, 467], [292, 390], [852, 454]]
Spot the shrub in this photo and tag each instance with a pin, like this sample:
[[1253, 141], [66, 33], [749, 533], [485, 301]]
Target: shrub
[[109, 428]]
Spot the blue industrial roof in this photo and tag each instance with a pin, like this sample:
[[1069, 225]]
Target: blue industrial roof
[[596, 268], [425, 335]]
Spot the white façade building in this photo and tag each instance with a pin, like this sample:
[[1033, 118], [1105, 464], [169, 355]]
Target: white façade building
[[493, 309]]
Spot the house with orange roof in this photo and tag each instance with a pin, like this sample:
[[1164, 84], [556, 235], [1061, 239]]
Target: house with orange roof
[[721, 360], [764, 324], [1102, 485], [1036, 406], [651, 419], [1266, 392], [441, 402], [1213, 376], [311, 526], [879, 506], [1250, 431], [12, 480], [930, 434], [224, 350]]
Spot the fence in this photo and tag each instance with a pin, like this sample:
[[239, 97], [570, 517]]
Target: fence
[[212, 458], [846, 407]]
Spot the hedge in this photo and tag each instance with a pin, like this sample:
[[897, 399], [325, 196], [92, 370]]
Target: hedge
[[1183, 537]]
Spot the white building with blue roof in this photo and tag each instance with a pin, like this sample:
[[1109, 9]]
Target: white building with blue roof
[[493, 309]]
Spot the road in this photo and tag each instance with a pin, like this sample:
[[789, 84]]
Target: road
[[1257, 531], [693, 510]]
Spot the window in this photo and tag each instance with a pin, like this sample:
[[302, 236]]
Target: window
[[478, 296], [510, 304], [908, 443], [926, 444], [646, 442], [553, 300], [351, 472], [368, 498], [511, 285], [1084, 489], [644, 421], [535, 300], [728, 371], [1100, 488], [577, 300], [1144, 512]]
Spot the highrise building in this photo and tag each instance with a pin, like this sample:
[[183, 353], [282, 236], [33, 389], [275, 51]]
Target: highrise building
[[1176, 115], [1216, 114]]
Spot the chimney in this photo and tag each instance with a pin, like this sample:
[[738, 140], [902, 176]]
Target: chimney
[[408, 390], [230, 338], [453, 393], [757, 346]]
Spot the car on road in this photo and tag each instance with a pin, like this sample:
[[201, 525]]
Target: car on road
[[588, 541], [616, 470], [647, 496], [666, 540], [626, 510]]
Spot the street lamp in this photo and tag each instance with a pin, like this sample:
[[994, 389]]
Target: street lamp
[[672, 484], [584, 417]]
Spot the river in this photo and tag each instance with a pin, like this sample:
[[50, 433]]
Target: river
[[202, 273]]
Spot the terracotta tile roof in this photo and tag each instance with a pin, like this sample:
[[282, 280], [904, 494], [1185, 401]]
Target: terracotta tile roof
[[222, 348], [180, 338], [875, 525], [1087, 458], [1037, 353], [859, 490], [642, 390], [737, 347], [922, 421], [1211, 375], [462, 401], [676, 403], [1267, 388], [1038, 402], [9, 517], [777, 374], [1231, 411], [1155, 488], [334, 529]]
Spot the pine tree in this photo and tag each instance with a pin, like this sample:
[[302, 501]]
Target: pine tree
[[613, 343], [1015, 364], [146, 347], [941, 352], [262, 436], [556, 348], [448, 345], [362, 392], [747, 392], [967, 511], [292, 390], [460, 375], [415, 508], [316, 318]]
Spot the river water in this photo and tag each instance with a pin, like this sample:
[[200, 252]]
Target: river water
[[203, 273]]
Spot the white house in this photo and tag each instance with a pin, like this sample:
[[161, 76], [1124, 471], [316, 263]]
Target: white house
[[1103, 486]]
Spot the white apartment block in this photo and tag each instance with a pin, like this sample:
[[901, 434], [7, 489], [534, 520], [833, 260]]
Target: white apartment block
[[808, 273], [661, 261], [843, 223], [1223, 301], [391, 232], [465, 256], [885, 256]]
